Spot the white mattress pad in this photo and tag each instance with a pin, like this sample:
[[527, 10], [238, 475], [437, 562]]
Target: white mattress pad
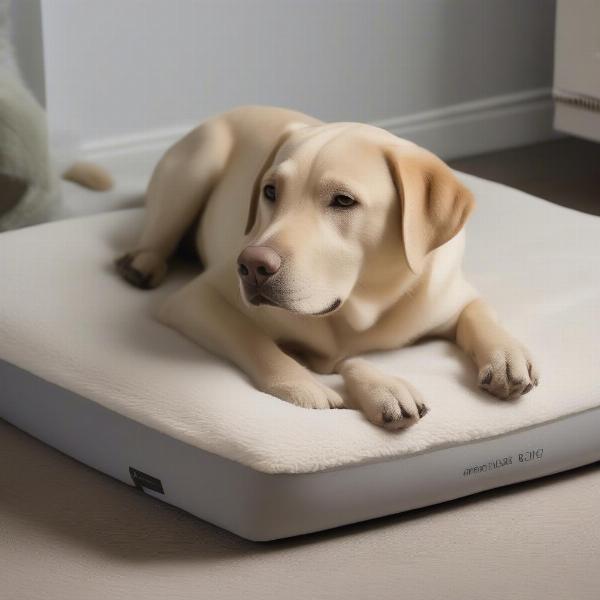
[[66, 317]]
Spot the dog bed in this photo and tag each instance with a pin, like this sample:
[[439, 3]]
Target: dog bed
[[85, 368]]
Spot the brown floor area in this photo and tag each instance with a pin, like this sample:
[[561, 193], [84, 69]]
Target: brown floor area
[[564, 171]]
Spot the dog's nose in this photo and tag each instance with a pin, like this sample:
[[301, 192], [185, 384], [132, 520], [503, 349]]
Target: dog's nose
[[257, 263]]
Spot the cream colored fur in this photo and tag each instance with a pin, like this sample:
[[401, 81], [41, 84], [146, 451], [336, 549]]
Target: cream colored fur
[[28, 186], [29, 182], [378, 275]]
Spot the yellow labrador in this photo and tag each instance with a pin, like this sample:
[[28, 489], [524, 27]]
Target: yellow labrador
[[320, 241]]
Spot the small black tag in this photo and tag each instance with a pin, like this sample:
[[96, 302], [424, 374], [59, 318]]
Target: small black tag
[[143, 480]]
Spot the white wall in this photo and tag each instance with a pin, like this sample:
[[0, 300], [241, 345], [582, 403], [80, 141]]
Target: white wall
[[132, 68], [26, 37]]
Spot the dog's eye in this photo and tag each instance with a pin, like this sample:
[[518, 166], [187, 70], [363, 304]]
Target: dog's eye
[[269, 192], [343, 201]]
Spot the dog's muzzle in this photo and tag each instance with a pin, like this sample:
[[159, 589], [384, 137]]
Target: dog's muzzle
[[256, 266]]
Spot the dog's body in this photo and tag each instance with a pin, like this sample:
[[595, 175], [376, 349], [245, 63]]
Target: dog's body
[[349, 240]]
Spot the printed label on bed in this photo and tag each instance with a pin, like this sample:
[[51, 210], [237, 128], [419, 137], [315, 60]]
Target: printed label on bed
[[504, 461], [143, 480]]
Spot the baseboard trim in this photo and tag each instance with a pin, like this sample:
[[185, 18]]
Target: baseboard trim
[[452, 131], [134, 143], [480, 126]]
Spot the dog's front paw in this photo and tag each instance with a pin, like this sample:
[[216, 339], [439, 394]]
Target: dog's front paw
[[387, 401], [143, 269], [394, 404], [306, 392], [508, 373]]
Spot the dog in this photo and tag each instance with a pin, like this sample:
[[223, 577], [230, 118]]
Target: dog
[[320, 242]]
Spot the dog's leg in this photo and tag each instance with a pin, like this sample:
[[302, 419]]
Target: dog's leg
[[505, 367], [384, 399], [200, 312], [179, 186]]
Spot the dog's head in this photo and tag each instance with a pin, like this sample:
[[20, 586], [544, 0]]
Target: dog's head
[[341, 208]]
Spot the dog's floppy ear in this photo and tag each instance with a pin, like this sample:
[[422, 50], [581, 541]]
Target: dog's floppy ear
[[435, 205], [256, 189]]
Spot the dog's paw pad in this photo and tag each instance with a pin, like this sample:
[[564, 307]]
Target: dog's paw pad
[[509, 374], [394, 404], [130, 273], [486, 377], [144, 270]]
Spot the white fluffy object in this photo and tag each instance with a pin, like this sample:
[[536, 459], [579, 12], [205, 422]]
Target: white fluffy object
[[24, 156], [67, 317]]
